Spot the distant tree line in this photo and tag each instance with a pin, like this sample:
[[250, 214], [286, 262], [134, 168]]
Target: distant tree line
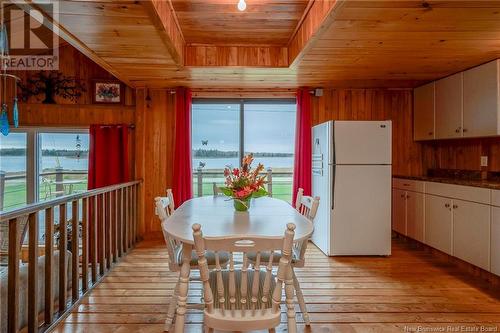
[[214, 153], [45, 152]]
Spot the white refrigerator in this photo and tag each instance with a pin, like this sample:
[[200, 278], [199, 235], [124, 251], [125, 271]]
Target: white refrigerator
[[351, 173]]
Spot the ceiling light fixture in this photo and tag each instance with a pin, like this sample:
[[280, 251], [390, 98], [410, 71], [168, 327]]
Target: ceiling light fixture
[[242, 5]]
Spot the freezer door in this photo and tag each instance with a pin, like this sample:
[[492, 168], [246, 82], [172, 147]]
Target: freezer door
[[362, 142], [321, 184], [361, 219]]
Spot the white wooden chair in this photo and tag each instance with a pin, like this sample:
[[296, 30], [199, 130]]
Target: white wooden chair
[[217, 190], [246, 299], [307, 206], [164, 207]]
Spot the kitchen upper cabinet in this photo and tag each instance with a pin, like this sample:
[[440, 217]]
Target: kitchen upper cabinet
[[423, 112], [481, 100], [471, 232], [449, 105], [495, 240], [399, 211], [438, 223], [415, 215]]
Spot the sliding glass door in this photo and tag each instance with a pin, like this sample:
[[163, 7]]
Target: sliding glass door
[[224, 130]]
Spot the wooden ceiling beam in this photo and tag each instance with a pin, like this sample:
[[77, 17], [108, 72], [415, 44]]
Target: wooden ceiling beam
[[165, 20], [320, 15], [63, 33]]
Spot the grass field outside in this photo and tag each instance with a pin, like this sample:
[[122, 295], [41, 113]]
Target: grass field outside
[[15, 190]]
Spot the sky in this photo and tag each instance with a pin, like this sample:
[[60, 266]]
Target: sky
[[268, 127]]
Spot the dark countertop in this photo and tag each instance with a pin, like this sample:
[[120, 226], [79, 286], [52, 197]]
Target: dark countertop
[[491, 184]]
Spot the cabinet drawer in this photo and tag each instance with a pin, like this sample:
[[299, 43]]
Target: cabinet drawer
[[467, 193], [408, 184]]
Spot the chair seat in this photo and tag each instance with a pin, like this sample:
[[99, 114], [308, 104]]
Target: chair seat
[[265, 255], [238, 297], [210, 256]]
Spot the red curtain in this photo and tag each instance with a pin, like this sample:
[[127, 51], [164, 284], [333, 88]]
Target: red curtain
[[108, 155], [302, 168], [182, 187]]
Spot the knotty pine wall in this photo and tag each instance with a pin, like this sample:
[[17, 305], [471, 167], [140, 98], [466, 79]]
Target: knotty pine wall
[[376, 104], [155, 129]]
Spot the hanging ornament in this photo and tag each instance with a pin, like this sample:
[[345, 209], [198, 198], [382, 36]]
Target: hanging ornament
[[15, 112], [4, 121], [78, 147], [4, 42]]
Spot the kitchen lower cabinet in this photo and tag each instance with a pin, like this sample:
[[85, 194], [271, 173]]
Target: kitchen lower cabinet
[[438, 223], [495, 240], [415, 215], [399, 211], [471, 232]]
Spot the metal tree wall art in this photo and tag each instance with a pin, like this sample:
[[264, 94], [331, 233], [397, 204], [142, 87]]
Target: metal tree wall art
[[52, 84]]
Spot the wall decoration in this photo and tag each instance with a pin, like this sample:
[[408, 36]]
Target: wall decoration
[[107, 91], [51, 84]]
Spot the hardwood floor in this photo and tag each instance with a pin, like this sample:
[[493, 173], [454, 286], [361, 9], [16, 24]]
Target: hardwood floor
[[408, 291]]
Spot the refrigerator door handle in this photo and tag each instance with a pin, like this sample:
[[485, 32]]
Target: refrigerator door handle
[[333, 166]]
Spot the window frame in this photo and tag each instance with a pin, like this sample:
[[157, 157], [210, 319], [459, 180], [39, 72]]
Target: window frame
[[33, 154], [241, 102]]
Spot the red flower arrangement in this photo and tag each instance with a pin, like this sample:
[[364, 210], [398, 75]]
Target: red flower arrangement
[[244, 183]]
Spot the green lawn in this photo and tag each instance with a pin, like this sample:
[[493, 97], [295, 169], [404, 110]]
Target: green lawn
[[15, 190]]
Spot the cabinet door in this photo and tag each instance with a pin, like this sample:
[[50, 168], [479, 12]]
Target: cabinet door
[[399, 211], [423, 112], [495, 240], [481, 100], [415, 215], [449, 107], [438, 222], [471, 232]]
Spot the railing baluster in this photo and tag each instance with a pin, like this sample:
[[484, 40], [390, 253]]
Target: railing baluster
[[13, 278], [120, 222], [93, 238], [33, 273], [75, 249], [63, 276], [112, 224], [101, 234], [125, 211], [130, 231], [134, 215], [85, 244], [116, 223], [49, 258], [108, 229]]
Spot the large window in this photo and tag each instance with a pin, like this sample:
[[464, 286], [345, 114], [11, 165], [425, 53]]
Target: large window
[[223, 130], [38, 165]]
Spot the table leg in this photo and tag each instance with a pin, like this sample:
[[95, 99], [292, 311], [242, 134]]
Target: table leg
[[183, 288]]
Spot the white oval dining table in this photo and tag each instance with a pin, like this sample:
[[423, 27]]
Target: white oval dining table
[[267, 217]]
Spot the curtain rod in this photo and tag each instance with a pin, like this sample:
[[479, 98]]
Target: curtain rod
[[132, 126]]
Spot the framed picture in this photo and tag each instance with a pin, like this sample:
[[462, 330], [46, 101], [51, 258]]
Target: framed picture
[[107, 92]]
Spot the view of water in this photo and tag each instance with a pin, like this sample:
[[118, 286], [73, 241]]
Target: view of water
[[220, 163], [18, 163]]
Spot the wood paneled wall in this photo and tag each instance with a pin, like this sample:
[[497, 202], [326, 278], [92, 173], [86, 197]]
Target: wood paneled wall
[[464, 154], [75, 64], [155, 126], [376, 104]]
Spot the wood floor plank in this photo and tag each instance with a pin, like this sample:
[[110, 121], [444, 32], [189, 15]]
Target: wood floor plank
[[405, 292]]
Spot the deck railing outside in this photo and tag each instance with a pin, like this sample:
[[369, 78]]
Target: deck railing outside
[[52, 183], [85, 234], [279, 182]]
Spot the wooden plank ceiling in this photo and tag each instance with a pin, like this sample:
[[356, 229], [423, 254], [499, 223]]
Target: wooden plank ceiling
[[283, 43]]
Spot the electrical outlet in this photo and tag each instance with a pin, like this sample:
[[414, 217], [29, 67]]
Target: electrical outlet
[[484, 161]]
